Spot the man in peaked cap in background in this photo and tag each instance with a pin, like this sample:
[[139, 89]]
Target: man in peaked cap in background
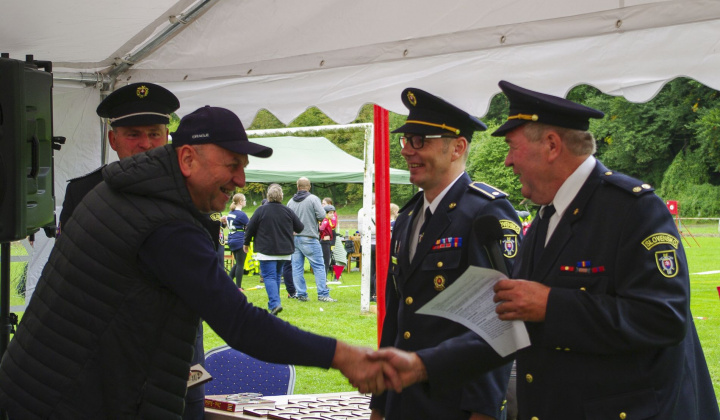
[[138, 115], [606, 300], [111, 333], [433, 243]]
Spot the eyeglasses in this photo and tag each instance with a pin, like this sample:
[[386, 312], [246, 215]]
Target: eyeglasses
[[417, 141]]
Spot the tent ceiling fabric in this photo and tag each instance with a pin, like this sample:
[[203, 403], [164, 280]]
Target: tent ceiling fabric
[[285, 56], [313, 157]]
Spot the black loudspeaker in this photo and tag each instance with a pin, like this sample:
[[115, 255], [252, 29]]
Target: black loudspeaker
[[27, 201]]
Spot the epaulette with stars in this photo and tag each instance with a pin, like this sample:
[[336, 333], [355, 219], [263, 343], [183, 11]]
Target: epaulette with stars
[[488, 191], [627, 183]]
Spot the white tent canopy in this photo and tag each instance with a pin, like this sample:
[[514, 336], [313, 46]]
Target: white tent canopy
[[313, 157], [285, 56], [288, 55]]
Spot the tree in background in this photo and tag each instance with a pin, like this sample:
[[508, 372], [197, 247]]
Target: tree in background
[[486, 164], [671, 142]]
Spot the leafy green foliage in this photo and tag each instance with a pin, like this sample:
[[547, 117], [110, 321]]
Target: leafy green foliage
[[672, 141], [486, 164]]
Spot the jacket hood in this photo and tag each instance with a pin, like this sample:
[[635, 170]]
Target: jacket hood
[[301, 195]]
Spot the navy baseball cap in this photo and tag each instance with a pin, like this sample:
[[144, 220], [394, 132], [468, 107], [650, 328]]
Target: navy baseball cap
[[138, 104], [432, 115], [530, 106], [218, 126]]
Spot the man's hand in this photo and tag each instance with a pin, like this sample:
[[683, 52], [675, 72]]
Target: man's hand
[[408, 366], [521, 300], [246, 249], [364, 374]]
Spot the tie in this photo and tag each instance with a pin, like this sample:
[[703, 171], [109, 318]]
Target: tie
[[541, 233], [428, 215]]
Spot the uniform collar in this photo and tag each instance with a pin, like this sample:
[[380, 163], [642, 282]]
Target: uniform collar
[[570, 188], [436, 202]]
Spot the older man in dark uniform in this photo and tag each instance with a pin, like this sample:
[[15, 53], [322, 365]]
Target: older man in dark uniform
[[433, 243], [606, 299], [138, 115]]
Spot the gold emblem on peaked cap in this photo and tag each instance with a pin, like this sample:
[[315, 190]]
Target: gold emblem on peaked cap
[[142, 91], [411, 98]]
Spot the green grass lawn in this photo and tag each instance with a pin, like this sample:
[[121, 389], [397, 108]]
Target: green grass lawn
[[344, 320]]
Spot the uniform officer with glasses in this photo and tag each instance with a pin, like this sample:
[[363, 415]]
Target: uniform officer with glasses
[[432, 245]]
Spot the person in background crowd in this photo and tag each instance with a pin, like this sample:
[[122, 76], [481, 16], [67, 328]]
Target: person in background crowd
[[394, 211], [433, 243], [601, 282], [327, 235], [307, 245], [123, 315], [237, 220], [271, 228]]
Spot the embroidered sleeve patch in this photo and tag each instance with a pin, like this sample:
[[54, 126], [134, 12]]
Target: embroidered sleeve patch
[[659, 239], [509, 246], [510, 225], [667, 263]]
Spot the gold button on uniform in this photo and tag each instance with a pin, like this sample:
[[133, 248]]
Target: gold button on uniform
[[623, 416], [534, 418], [408, 300], [406, 335], [439, 264], [529, 378], [583, 289]]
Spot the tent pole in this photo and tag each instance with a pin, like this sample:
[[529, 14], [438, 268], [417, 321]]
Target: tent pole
[[382, 208], [366, 234]]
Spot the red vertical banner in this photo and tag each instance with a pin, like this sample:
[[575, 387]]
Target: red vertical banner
[[382, 208]]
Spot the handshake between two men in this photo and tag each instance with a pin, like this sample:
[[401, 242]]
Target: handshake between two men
[[391, 368]]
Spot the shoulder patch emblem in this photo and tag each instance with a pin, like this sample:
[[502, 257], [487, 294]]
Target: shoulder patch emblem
[[509, 246], [215, 217], [667, 263], [659, 239], [509, 225], [487, 190]]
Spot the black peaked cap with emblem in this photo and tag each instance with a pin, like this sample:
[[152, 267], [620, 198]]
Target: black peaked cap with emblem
[[138, 104], [432, 115], [529, 106]]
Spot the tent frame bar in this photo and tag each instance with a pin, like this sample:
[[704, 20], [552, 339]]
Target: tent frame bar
[[103, 79]]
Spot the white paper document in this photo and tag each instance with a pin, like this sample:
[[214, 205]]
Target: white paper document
[[469, 301]]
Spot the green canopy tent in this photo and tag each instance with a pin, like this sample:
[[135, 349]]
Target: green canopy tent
[[316, 158]]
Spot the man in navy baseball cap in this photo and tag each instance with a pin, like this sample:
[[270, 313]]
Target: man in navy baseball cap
[[219, 126]]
